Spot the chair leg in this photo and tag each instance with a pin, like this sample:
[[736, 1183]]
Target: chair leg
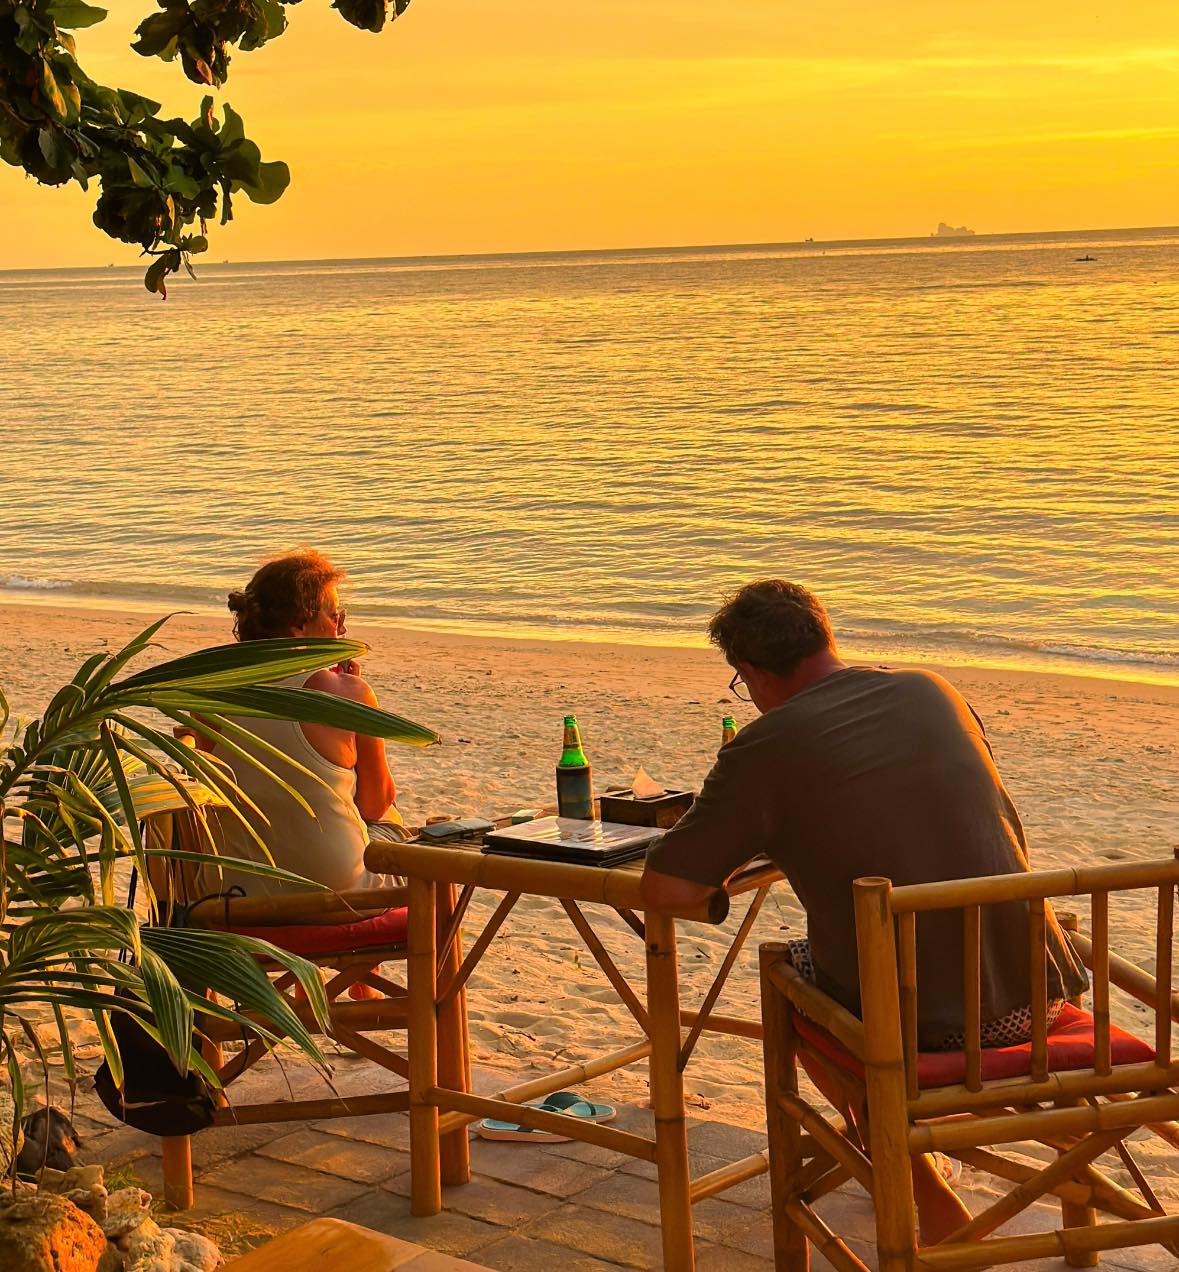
[[454, 1064], [791, 1248], [177, 1155]]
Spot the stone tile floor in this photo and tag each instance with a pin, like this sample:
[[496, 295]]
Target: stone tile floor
[[528, 1208]]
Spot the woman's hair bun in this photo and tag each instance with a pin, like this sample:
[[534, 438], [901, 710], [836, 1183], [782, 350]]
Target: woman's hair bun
[[237, 602]]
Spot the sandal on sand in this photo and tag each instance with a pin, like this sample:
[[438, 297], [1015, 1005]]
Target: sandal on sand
[[568, 1103], [949, 1168]]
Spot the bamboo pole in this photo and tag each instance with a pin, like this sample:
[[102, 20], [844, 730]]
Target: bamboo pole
[[371, 1050], [574, 1075], [1101, 1046], [617, 887], [907, 935], [176, 1151], [725, 1024], [454, 1055], [718, 981], [482, 941], [1125, 1079], [576, 1128], [988, 890], [425, 1178], [829, 1245], [1094, 1190], [1040, 1182], [724, 1177], [312, 1110], [319, 908], [1038, 962], [785, 1147], [818, 1007], [667, 1094], [885, 1074], [840, 1149], [1127, 976], [1162, 973], [972, 994], [1047, 1245], [1070, 924], [948, 1136], [823, 1183], [609, 968]]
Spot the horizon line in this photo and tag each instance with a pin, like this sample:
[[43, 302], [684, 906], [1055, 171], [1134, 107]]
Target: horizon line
[[958, 240]]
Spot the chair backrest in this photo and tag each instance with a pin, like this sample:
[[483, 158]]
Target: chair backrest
[[886, 925], [174, 881]]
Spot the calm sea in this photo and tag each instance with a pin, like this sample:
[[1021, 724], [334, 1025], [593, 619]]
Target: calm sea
[[970, 449]]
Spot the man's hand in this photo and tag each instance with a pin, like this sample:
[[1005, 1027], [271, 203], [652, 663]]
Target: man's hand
[[349, 667]]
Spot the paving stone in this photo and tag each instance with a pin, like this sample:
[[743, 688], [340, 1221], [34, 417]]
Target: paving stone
[[719, 1139], [336, 1155], [488, 1199], [220, 1143], [714, 1258], [388, 1129], [754, 1192], [211, 1202], [523, 1254], [529, 1167], [287, 1185], [118, 1147], [431, 1261], [388, 1212], [613, 1237]]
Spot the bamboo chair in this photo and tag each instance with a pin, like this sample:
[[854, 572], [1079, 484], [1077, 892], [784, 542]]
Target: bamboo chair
[[1081, 1087], [350, 935]]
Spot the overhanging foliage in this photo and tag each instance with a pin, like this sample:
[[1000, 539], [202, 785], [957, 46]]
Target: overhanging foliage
[[161, 181]]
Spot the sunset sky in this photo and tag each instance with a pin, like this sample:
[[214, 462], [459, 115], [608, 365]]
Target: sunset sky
[[472, 126]]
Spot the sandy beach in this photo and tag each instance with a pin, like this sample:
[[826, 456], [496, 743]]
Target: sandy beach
[[1092, 765]]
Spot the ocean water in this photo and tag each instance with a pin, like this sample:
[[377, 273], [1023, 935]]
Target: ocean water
[[970, 449]]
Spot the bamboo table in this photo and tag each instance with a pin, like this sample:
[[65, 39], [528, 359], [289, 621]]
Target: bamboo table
[[436, 1110]]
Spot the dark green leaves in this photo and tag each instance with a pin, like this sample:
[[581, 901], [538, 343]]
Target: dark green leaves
[[161, 180]]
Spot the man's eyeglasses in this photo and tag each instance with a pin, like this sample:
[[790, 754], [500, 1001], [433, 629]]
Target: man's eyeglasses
[[739, 689]]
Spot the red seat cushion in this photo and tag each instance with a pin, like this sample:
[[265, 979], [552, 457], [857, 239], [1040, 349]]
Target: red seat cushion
[[1070, 1046], [331, 938]]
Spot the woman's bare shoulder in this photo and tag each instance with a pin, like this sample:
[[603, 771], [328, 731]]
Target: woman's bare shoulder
[[342, 684]]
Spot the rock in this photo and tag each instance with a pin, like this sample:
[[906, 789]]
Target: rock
[[46, 1233], [193, 1252], [112, 1260], [125, 1211], [50, 1139], [149, 1249], [82, 1185]]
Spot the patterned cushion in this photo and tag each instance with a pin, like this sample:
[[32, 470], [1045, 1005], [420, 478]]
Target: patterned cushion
[[1070, 1046]]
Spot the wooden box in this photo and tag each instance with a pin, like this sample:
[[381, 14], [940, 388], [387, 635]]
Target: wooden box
[[657, 810]]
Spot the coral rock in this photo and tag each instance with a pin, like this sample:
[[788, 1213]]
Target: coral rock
[[125, 1211], [46, 1233], [193, 1252]]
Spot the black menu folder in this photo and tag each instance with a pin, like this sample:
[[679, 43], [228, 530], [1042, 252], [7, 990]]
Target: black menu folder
[[590, 843]]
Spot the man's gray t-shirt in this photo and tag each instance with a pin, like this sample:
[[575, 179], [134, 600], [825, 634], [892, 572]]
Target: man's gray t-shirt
[[874, 772]]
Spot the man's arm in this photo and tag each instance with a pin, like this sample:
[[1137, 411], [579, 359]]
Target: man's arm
[[730, 823]]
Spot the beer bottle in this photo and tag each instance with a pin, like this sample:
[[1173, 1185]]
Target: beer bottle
[[728, 730], [575, 791]]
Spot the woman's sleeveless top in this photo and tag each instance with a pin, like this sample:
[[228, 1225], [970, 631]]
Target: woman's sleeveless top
[[327, 848]]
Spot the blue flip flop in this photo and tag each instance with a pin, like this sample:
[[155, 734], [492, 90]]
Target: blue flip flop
[[568, 1103]]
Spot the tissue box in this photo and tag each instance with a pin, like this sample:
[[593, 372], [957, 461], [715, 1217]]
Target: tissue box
[[657, 810]]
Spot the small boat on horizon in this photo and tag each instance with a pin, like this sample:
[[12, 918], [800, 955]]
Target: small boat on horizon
[[1085, 258]]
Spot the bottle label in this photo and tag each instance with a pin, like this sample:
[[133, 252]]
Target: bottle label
[[575, 793]]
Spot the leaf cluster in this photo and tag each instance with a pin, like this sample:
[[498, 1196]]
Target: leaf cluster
[[162, 181], [74, 784]]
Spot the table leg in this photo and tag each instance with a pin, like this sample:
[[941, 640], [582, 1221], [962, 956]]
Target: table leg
[[667, 1095], [422, 1028], [454, 1061]]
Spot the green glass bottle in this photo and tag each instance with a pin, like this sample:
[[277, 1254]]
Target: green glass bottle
[[728, 730], [575, 790]]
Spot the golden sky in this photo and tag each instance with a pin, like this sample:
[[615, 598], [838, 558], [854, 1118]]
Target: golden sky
[[515, 125]]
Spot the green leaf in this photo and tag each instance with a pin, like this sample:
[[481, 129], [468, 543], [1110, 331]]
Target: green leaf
[[170, 1007], [245, 663], [139, 176], [270, 185], [74, 15]]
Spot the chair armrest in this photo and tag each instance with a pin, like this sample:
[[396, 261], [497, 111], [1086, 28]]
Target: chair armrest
[[311, 908], [820, 1007]]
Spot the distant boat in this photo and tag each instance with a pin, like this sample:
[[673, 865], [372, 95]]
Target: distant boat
[[1086, 258]]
